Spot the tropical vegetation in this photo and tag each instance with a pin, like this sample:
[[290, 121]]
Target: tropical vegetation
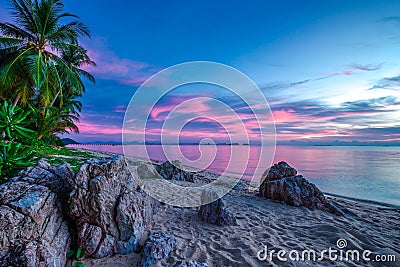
[[42, 71]]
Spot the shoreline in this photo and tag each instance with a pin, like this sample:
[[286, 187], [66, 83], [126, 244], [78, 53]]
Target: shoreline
[[264, 223], [291, 145], [330, 195], [365, 201], [105, 190]]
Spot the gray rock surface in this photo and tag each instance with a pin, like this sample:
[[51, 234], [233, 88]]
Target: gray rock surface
[[190, 264], [112, 213], [239, 186], [158, 247], [33, 229], [214, 211], [170, 172], [281, 183]]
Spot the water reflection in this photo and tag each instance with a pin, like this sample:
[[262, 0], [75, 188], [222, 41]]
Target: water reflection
[[362, 172]]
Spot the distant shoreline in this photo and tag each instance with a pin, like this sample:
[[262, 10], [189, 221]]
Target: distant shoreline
[[331, 195], [194, 144]]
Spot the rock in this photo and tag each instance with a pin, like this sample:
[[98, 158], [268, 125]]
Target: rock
[[239, 186], [158, 247], [112, 213], [282, 184], [214, 211], [190, 264], [279, 171], [170, 172], [33, 227], [147, 171]]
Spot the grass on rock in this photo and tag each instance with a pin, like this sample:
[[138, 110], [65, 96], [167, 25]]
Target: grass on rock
[[55, 156]]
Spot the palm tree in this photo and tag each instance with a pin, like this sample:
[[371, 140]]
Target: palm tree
[[76, 58], [37, 46]]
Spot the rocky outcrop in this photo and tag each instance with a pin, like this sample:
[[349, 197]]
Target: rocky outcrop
[[33, 227], [171, 172], [239, 186], [158, 247], [214, 211], [281, 183], [190, 264], [112, 213]]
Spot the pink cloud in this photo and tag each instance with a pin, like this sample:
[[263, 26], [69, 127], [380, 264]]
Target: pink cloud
[[93, 128], [285, 116], [112, 67], [343, 73], [161, 110]]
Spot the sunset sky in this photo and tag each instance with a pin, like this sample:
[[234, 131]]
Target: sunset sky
[[329, 71]]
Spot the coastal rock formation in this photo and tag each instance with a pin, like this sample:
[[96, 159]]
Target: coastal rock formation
[[281, 183], [33, 228], [112, 214], [158, 247], [239, 186], [170, 172], [190, 264], [214, 211]]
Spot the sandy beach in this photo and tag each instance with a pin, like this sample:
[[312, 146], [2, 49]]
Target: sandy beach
[[262, 222]]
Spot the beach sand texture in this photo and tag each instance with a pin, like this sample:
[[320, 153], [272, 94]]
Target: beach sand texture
[[263, 222]]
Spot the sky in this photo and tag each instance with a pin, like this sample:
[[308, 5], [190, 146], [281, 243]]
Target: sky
[[329, 70]]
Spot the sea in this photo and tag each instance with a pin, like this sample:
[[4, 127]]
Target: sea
[[362, 172]]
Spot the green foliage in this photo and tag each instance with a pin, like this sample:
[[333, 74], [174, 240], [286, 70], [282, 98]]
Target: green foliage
[[41, 64], [56, 120], [53, 140], [56, 156], [35, 43], [14, 122], [45, 151], [76, 254], [13, 157], [80, 253], [41, 71]]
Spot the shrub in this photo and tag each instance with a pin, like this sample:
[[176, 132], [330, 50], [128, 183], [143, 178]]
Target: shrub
[[13, 158], [14, 122]]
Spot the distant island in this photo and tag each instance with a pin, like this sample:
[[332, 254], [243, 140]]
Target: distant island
[[69, 141]]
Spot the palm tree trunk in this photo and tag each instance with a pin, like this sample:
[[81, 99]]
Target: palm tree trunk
[[54, 100], [16, 100]]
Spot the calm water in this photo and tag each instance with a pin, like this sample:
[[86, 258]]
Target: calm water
[[371, 173]]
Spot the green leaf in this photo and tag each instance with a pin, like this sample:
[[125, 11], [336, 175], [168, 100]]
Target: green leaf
[[80, 253], [70, 254], [78, 264]]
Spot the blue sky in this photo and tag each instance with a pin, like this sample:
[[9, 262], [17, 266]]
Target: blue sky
[[330, 70]]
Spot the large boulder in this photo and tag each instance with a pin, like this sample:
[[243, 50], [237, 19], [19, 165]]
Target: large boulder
[[214, 210], [111, 212], [171, 172], [33, 227], [281, 183], [158, 247]]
